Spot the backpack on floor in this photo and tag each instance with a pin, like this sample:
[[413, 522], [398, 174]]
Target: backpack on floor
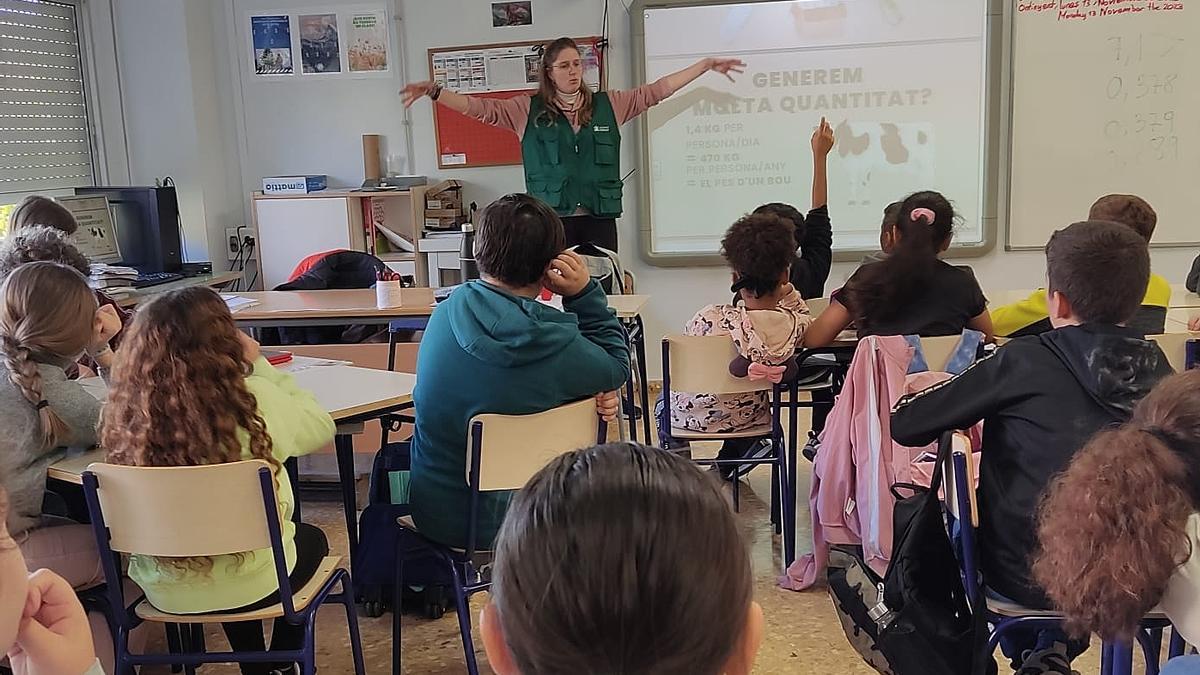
[[604, 266], [856, 590], [926, 624]]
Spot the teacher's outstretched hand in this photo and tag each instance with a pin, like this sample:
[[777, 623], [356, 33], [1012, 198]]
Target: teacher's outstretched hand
[[570, 135]]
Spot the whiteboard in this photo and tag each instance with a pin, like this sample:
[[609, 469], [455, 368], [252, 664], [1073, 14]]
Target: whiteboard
[[1105, 98], [904, 83]]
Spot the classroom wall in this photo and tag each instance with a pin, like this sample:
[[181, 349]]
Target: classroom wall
[[167, 131]]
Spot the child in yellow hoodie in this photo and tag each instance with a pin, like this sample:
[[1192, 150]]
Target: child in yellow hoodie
[[1031, 315], [191, 389]]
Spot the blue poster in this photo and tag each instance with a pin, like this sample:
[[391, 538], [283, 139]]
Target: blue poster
[[272, 39]]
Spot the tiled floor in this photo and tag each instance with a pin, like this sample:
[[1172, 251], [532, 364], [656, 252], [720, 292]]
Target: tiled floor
[[803, 633]]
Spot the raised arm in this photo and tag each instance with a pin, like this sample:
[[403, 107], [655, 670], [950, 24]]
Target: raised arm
[[822, 143], [682, 78], [506, 113]]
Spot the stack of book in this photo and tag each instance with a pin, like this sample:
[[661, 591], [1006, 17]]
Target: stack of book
[[109, 277]]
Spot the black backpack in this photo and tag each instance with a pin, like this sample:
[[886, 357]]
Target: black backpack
[[917, 620]]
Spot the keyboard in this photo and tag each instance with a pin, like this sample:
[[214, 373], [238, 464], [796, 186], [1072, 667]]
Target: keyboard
[[155, 278]]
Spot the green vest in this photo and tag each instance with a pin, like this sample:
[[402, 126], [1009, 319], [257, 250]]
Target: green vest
[[567, 169]]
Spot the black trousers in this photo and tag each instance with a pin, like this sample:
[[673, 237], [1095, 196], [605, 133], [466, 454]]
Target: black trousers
[[589, 229], [247, 636]]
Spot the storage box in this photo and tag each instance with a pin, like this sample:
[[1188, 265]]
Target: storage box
[[443, 213], [444, 195], [453, 223], [293, 185]]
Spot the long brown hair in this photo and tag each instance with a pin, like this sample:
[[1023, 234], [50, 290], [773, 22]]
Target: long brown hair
[[48, 311], [1112, 526], [178, 394], [548, 93], [621, 558]]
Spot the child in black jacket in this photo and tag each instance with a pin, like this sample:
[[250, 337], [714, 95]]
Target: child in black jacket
[[1042, 397]]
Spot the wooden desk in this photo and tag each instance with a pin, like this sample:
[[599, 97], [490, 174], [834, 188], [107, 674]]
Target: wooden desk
[[140, 295], [628, 306], [337, 307], [1181, 297], [325, 308], [1178, 317]]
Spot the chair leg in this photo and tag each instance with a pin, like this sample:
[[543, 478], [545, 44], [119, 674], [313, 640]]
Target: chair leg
[[308, 665], [185, 641], [356, 650], [397, 598], [776, 502], [1150, 641], [1177, 645], [1121, 655], [463, 608], [174, 644]]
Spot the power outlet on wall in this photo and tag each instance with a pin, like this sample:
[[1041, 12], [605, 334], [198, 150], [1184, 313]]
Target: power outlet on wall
[[233, 243]]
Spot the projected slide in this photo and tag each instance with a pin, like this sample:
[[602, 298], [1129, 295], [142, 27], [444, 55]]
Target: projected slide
[[901, 81]]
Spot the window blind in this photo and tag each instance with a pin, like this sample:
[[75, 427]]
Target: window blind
[[44, 140]]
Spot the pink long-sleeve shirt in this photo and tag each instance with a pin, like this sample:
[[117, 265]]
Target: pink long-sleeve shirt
[[513, 113]]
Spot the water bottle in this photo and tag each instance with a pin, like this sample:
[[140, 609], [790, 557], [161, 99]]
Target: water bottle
[[467, 268]]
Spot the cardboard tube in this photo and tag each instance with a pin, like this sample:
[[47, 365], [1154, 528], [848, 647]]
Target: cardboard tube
[[370, 144]]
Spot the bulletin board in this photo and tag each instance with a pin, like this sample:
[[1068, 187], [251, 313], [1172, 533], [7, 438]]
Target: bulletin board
[[502, 70]]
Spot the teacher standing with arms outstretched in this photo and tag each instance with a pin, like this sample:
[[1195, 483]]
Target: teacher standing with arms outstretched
[[570, 136]]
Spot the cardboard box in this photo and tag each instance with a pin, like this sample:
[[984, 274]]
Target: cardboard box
[[293, 185], [454, 223], [443, 213], [444, 195]]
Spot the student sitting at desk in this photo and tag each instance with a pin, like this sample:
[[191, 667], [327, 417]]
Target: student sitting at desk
[[48, 318], [191, 389], [1031, 315], [491, 347], [51, 243], [39, 211], [911, 292]]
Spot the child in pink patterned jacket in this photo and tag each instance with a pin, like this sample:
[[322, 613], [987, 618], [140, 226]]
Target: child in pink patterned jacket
[[766, 328]]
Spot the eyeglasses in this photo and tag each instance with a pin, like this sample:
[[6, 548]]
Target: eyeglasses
[[564, 66]]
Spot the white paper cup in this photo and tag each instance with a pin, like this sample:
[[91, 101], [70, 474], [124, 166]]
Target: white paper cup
[[387, 294]]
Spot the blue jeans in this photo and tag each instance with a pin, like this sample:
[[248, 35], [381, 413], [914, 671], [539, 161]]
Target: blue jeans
[[1182, 665]]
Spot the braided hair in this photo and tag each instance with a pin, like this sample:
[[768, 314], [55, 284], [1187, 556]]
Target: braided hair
[[47, 311]]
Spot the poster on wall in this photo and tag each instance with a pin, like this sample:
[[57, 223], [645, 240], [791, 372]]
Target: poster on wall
[[367, 41], [502, 68], [320, 51], [272, 44], [512, 14]]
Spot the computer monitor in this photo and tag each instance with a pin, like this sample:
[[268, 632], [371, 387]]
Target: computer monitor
[[96, 237], [147, 225]]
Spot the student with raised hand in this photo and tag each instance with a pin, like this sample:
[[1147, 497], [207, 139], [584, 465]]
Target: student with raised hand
[[621, 558], [191, 389], [912, 291], [43, 627], [491, 347], [1041, 398], [1031, 315], [813, 234], [1119, 530]]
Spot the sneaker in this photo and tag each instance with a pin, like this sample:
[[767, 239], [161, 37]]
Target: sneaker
[[1050, 661], [811, 447]]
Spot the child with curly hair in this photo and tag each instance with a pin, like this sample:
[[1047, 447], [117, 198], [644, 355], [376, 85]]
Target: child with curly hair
[[766, 328], [191, 389]]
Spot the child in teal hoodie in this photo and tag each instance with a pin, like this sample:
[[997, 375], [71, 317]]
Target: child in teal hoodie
[[491, 347]]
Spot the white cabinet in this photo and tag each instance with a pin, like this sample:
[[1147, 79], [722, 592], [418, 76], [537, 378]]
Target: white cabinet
[[290, 228]]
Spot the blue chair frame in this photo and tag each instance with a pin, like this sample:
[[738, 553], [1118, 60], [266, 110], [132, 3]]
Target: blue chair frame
[[192, 652], [783, 480], [460, 563], [1115, 658]]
